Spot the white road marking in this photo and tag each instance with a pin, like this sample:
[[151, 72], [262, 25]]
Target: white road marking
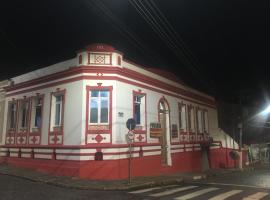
[[239, 185], [172, 191], [145, 190], [195, 194], [151, 189], [225, 195], [256, 196]]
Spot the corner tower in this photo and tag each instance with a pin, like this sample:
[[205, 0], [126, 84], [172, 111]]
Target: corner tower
[[99, 54]]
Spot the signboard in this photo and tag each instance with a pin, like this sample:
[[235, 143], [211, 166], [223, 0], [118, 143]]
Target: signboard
[[155, 130], [131, 124]]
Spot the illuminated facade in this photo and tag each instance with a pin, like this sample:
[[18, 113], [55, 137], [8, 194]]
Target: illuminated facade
[[70, 119]]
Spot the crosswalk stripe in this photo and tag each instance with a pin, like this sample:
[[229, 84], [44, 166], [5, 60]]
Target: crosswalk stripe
[[145, 190], [195, 194], [225, 195], [172, 191], [256, 196], [151, 189]]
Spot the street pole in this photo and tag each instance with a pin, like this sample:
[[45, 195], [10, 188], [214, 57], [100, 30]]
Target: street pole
[[131, 124], [240, 146], [129, 159], [129, 165]]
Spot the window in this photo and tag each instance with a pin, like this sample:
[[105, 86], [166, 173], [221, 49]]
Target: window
[[200, 122], [58, 110], [23, 114], [182, 117], [99, 106], [139, 109], [12, 110], [191, 118], [205, 122], [36, 112]]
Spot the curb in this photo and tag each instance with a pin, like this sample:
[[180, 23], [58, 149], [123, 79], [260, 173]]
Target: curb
[[104, 188], [121, 186]]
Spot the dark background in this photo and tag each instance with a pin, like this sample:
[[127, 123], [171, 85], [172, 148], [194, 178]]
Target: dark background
[[218, 46]]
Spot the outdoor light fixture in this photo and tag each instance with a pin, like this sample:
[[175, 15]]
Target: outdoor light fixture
[[266, 111]]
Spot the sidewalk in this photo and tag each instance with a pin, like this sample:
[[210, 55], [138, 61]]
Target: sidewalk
[[138, 182]]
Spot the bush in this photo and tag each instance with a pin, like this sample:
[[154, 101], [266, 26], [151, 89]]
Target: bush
[[234, 155]]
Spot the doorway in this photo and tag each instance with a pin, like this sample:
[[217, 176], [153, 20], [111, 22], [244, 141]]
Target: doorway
[[164, 119]]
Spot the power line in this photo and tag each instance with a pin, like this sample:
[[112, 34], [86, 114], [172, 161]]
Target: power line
[[158, 22], [169, 27], [118, 25]]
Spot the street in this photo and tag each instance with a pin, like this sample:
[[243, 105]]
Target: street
[[13, 188], [197, 191], [249, 185]]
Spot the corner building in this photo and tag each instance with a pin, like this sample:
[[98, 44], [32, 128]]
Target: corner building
[[70, 119]]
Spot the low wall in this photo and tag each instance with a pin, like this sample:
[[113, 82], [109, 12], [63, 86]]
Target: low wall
[[219, 158], [113, 163]]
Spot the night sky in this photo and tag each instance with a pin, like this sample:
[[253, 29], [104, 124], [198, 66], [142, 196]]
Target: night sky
[[219, 46]]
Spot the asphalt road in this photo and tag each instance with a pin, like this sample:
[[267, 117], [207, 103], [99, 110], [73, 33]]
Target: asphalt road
[[12, 188], [236, 186]]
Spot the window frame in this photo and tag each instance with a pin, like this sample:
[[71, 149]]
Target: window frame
[[99, 108], [26, 117], [56, 133], [180, 121], [143, 110], [191, 119], [98, 128], [200, 123], [60, 103], [205, 122], [9, 112], [33, 113], [52, 126], [91, 131]]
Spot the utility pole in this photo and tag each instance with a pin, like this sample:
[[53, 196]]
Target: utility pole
[[240, 126]]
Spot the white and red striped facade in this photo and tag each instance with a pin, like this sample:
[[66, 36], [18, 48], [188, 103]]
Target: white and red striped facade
[[77, 147]]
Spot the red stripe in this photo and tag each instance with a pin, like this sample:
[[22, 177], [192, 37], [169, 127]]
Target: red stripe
[[112, 69], [108, 78]]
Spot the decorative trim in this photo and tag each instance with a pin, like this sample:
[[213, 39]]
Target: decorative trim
[[105, 69]]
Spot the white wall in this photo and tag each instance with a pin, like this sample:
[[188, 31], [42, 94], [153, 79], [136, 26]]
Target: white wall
[[73, 109], [124, 103]]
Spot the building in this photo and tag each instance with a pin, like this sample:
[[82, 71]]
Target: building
[[3, 84], [70, 119]]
